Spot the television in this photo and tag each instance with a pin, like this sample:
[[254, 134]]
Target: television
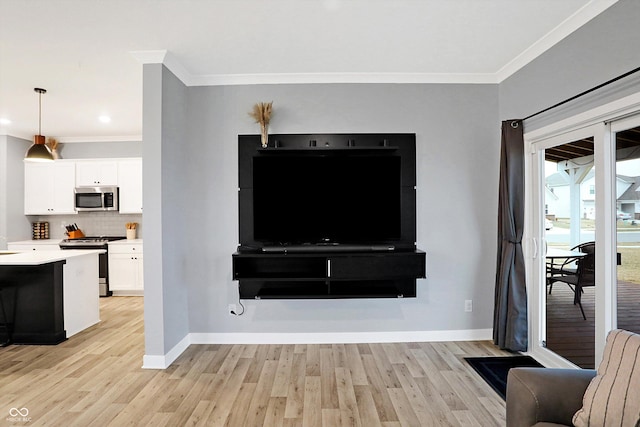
[[298, 195], [326, 199]]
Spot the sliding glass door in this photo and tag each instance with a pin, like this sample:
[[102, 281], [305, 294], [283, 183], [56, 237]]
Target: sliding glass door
[[583, 234], [565, 211], [626, 134]]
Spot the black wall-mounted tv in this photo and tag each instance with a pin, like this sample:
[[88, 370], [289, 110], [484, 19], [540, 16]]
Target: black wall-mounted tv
[[320, 199], [327, 191]]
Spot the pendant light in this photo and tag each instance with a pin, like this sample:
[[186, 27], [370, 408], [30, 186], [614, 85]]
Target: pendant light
[[39, 152]]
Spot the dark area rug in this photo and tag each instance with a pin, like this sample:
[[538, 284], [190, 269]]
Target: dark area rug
[[494, 370]]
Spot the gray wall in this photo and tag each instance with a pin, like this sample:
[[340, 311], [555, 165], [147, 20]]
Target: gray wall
[[604, 48], [457, 166], [13, 224], [100, 150], [165, 165], [175, 249]]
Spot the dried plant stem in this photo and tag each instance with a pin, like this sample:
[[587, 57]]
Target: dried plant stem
[[264, 135], [53, 144], [261, 113]]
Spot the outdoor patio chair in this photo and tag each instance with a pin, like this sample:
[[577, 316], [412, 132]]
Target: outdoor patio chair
[[583, 277], [569, 266]]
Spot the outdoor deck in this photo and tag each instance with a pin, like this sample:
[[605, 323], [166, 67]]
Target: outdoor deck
[[572, 337]]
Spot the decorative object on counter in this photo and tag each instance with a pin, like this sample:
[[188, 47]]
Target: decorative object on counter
[[75, 234], [73, 231], [39, 152], [131, 230], [261, 113], [40, 230], [53, 145]]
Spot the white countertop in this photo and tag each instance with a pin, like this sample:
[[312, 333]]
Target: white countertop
[[42, 257], [126, 242], [38, 242]]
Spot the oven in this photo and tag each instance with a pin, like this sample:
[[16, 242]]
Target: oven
[[99, 242]]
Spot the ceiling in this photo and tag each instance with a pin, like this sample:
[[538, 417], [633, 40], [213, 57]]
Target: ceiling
[[83, 51]]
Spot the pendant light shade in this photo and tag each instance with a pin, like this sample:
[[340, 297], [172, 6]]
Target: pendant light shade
[[39, 152]]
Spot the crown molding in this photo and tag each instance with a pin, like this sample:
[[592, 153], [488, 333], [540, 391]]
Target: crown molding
[[149, 56], [315, 78], [117, 138], [80, 139], [171, 62], [566, 27]]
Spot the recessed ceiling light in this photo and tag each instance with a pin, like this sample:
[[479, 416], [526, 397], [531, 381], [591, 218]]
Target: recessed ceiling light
[[104, 119], [4, 121]]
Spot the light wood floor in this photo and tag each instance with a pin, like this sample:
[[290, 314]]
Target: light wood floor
[[95, 379]]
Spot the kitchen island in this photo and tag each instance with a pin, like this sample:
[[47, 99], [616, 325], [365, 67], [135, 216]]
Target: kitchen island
[[48, 296]]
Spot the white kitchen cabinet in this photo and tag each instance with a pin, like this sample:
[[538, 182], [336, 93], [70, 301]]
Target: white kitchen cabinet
[[48, 188], [90, 173], [130, 183], [125, 267]]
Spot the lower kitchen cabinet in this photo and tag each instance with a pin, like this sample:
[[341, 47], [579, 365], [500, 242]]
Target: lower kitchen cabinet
[[125, 267]]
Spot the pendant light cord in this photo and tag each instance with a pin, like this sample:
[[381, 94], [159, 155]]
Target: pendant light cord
[[40, 113], [40, 92]]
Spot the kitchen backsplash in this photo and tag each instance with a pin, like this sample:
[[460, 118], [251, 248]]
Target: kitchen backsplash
[[91, 223]]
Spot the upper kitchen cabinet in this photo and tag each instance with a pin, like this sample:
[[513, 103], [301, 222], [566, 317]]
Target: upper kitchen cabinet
[[48, 188], [90, 173], [130, 183]]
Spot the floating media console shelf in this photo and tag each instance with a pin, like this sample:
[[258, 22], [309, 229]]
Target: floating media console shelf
[[328, 275], [327, 216]]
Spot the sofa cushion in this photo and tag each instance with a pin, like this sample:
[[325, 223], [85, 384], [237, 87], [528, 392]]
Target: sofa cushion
[[612, 397]]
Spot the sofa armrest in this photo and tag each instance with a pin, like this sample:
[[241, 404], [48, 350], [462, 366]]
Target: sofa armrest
[[545, 395]]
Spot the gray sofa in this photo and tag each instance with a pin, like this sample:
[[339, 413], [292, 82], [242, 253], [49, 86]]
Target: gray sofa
[[581, 397], [545, 397]]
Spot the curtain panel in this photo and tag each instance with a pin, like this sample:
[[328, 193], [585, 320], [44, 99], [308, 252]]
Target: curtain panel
[[510, 327]]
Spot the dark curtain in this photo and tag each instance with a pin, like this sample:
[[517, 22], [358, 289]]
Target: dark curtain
[[510, 310]]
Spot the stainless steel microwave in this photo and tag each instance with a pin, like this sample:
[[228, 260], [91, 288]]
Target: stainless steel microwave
[[96, 199]]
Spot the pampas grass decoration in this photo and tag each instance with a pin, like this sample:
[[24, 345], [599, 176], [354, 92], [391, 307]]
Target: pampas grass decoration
[[261, 113], [52, 143]]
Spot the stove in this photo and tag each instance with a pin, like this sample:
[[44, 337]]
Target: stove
[[89, 242], [95, 242]]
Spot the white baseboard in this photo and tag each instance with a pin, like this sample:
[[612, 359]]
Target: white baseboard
[[128, 293], [163, 362], [340, 337]]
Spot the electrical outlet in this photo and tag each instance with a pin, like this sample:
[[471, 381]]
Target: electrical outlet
[[232, 309], [468, 305]]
